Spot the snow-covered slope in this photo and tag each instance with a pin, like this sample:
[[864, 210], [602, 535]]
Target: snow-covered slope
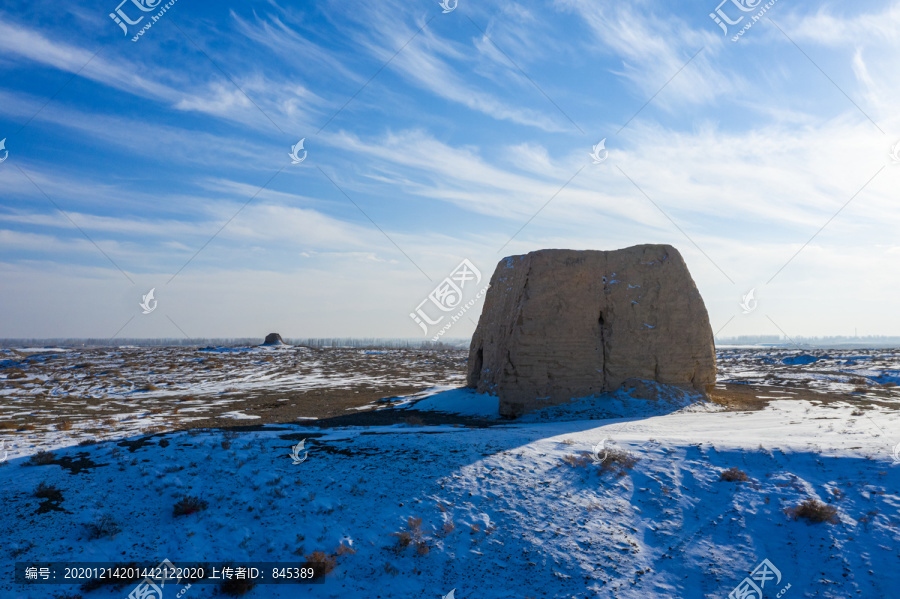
[[512, 510]]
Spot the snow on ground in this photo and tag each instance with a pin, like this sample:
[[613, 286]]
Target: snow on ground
[[121, 373], [841, 371], [513, 510]]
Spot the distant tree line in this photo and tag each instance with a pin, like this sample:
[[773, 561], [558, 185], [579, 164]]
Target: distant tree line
[[834, 341]]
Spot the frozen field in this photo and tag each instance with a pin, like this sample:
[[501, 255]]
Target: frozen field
[[621, 499]]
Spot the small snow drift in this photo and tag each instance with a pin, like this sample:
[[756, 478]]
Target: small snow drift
[[561, 324], [273, 339]]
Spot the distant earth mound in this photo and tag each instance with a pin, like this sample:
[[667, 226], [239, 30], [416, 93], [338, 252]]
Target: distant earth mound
[[562, 324], [273, 339]]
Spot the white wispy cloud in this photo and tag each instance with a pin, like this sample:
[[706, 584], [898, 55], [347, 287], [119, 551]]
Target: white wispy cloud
[[653, 45]]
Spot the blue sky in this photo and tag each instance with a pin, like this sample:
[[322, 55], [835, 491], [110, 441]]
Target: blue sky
[[434, 137]]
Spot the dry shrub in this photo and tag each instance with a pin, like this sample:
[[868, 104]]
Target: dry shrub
[[149, 387], [618, 461], [344, 549], [104, 526], [414, 421], [449, 527], [814, 511], [45, 491], [64, 425], [189, 505], [85, 442], [412, 535], [733, 475], [15, 373], [414, 525], [41, 458], [320, 562], [8, 425]]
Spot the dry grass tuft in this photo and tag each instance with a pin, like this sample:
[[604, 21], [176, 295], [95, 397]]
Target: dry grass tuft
[[189, 505], [815, 511], [344, 549], [577, 461], [64, 425], [734, 474]]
